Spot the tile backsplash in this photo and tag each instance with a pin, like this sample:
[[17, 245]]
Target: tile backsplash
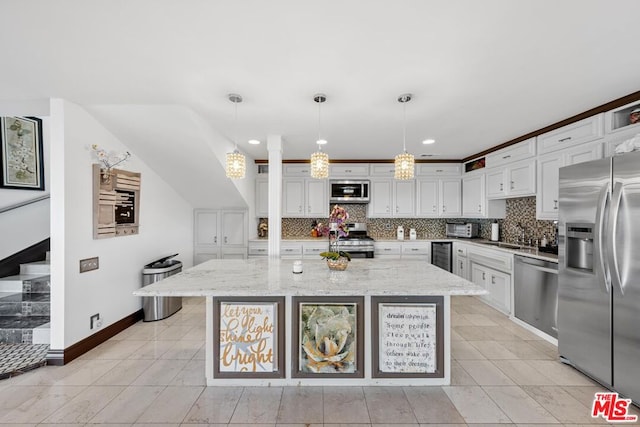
[[520, 211]]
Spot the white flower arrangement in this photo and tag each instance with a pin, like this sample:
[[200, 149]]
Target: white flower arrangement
[[109, 159]]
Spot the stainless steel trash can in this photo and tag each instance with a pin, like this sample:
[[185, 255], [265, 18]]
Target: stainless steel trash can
[[158, 308]]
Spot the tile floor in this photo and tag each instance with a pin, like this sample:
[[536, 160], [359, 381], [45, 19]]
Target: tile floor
[[153, 374]]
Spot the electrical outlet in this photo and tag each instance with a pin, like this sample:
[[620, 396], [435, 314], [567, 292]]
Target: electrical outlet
[[89, 264], [387, 226], [95, 321]]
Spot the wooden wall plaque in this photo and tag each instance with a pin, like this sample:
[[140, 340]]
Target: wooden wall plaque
[[116, 202]]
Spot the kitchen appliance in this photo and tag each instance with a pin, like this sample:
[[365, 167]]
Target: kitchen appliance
[[599, 271], [536, 293], [441, 255], [357, 243], [349, 191], [466, 230]]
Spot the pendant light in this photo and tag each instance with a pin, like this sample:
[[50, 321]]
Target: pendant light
[[405, 162], [319, 160], [236, 164]]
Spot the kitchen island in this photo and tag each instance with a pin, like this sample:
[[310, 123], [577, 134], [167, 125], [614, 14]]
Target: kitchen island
[[377, 323]]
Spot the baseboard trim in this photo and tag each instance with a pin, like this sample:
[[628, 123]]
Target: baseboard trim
[[62, 357]]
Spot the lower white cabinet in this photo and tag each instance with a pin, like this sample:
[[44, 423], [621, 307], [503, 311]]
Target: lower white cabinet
[[387, 250], [219, 234], [497, 283], [460, 261], [312, 250], [406, 249]]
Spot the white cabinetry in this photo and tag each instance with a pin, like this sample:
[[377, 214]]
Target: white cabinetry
[[492, 270], [520, 151], [386, 250], [391, 198], [219, 234], [312, 250], [474, 198], [617, 120], [548, 175], [347, 170], [460, 261], [262, 197], [580, 132], [403, 249], [304, 197], [439, 197], [513, 180]]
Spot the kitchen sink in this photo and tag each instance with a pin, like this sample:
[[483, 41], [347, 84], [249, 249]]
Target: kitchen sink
[[503, 245]]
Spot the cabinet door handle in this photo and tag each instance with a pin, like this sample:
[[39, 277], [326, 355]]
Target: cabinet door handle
[[215, 239], [461, 266], [444, 208], [225, 239], [506, 157], [459, 251], [309, 209], [512, 185], [500, 186], [386, 249], [493, 280], [479, 208], [414, 249], [555, 204], [434, 208], [397, 209], [387, 208], [483, 275], [439, 170], [300, 208], [564, 139]]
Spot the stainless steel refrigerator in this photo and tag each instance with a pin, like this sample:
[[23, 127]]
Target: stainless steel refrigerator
[[599, 271]]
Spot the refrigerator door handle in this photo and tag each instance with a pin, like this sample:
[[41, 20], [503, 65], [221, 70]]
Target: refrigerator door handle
[[598, 236], [614, 271]]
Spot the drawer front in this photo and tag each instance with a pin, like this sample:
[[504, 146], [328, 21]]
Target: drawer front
[[520, 151], [415, 249], [291, 250], [347, 170], [493, 259], [387, 249], [302, 169], [313, 251], [579, 132], [460, 250], [382, 169], [258, 250], [431, 169]]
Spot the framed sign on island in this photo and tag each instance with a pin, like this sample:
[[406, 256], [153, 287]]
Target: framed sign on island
[[380, 322]]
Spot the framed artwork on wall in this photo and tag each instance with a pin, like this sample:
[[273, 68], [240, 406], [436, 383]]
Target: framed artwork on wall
[[248, 337], [407, 337], [21, 152], [328, 337]]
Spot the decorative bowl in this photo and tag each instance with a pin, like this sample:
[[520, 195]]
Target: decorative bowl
[[339, 264]]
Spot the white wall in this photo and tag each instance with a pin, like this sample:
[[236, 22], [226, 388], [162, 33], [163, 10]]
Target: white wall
[[25, 226], [166, 227]]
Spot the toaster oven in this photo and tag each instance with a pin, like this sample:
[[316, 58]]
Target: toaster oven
[[466, 230]]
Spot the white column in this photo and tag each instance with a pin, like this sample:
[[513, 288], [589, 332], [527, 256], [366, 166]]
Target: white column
[[274, 146]]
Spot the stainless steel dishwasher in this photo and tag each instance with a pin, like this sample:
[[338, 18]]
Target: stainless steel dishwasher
[[441, 255], [536, 293]]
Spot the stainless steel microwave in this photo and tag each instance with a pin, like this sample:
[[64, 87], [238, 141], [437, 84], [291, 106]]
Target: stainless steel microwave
[[465, 230], [356, 191]]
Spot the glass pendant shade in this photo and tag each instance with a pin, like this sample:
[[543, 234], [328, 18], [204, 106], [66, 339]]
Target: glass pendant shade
[[236, 165], [404, 166], [319, 165]]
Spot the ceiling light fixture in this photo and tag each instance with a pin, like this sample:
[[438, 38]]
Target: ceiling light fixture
[[319, 160], [405, 162], [254, 142], [236, 163], [428, 141]]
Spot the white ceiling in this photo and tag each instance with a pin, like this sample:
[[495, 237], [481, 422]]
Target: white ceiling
[[482, 72]]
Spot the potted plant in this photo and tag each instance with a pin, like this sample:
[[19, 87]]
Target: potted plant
[[336, 259]]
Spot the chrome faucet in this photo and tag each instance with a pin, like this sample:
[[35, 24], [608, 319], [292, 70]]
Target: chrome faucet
[[521, 239]]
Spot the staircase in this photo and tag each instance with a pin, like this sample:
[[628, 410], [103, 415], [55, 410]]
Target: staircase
[[25, 305]]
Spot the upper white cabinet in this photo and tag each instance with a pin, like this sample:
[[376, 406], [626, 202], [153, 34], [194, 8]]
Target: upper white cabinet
[[304, 197], [302, 170], [474, 198], [520, 151], [382, 169], [548, 175], [513, 180], [580, 132], [439, 197], [618, 120], [262, 197], [438, 169], [391, 198], [219, 234], [347, 170]]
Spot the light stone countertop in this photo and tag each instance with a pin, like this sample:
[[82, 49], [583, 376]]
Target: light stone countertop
[[266, 277]]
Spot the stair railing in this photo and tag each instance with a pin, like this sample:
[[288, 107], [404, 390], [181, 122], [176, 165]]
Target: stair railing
[[24, 203]]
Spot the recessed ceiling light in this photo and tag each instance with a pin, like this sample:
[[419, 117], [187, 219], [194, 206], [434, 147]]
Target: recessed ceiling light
[[254, 142], [428, 141], [321, 141]]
